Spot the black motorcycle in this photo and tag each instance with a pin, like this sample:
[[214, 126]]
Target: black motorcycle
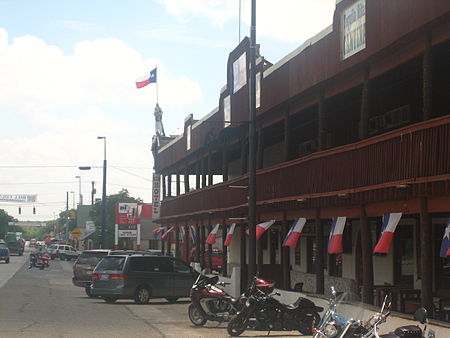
[[272, 315]]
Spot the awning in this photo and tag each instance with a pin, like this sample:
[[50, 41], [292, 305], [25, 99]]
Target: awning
[[86, 235]]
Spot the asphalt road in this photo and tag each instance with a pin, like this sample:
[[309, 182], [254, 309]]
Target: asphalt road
[[44, 303]]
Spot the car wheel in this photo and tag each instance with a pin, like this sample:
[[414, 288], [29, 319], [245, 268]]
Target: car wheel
[[62, 257], [87, 289], [7, 261], [142, 295], [172, 299], [195, 316], [109, 300], [68, 258], [52, 257]]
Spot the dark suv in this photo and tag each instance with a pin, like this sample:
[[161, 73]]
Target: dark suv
[[141, 277], [83, 267]]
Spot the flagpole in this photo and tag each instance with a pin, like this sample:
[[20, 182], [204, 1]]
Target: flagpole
[[156, 84]]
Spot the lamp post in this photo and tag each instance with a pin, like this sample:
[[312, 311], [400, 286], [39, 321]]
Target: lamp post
[[252, 151], [73, 199], [80, 197], [104, 191]]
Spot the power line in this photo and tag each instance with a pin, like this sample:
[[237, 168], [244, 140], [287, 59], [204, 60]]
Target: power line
[[129, 173]]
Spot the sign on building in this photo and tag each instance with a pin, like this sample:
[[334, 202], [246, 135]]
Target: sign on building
[[240, 72], [353, 29], [156, 193], [18, 198], [127, 213]]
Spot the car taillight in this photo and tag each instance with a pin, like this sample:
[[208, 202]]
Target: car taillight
[[96, 275], [117, 276]]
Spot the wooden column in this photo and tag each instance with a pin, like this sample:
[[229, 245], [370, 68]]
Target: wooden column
[[321, 118], [209, 248], [202, 244], [260, 257], [367, 261], [285, 259], [243, 256], [197, 174], [169, 185], [163, 249], [177, 241], [287, 138], [210, 169], [178, 183], [260, 149], [365, 104], [186, 242], [426, 258], [427, 84], [204, 171], [320, 246], [186, 180], [197, 242], [224, 249], [224, 165]]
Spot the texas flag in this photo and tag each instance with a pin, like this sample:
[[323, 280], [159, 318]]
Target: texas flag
[[445, 245], [166, 234], [336, 233], [229, 235], [146, 79], [261, 228], [212, 235], [193, 234], [390, 222], [157, 232], [294, 233]]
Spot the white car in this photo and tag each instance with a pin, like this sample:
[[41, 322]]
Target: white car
[[62, 251]]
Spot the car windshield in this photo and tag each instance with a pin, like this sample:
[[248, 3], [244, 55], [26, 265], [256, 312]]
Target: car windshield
[[110, 264], [3, 245], [90, 257]]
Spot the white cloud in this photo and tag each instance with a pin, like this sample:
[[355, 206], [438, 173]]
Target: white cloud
[[283, 20]]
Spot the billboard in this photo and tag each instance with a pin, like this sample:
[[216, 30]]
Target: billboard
[[127, 213], [22, 198]]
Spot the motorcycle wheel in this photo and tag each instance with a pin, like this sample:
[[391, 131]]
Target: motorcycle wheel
[[236, 326], [311, 320], [195, 316]]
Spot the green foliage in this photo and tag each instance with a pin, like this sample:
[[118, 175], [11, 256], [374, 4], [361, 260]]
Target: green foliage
[[4, 219], [96, 215]]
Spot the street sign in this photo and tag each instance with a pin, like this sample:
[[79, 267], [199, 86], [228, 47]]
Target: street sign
[[76, 232], [127, 227]]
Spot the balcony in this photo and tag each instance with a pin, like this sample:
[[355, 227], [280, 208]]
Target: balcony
[[418, 153]]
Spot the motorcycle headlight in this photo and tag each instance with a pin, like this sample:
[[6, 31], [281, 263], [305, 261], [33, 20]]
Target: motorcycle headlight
[[247, 303], [330, 330]]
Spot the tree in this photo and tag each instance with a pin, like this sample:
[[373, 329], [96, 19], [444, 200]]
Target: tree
[[96, 215], [4, 219]]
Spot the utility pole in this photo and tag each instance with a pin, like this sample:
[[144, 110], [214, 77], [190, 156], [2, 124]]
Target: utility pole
[[104, 193], [93, 191]]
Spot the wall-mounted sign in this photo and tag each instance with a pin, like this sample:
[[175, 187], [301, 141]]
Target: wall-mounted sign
[[127, 233], [90, 226], [240, 72], [127, 213], [18, 198], [353, 29], [156, 193]]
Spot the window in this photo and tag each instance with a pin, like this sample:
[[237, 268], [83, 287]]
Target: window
[[180, 267], [335, 265], [110, 264], [140, 264], [160, 265], [311, 255]]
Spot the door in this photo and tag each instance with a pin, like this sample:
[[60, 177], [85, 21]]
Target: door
[[182, 278], [149, 271]]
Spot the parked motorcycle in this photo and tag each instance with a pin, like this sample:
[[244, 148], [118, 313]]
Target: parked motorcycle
[[39, 260], [210, 302], [271, 314]]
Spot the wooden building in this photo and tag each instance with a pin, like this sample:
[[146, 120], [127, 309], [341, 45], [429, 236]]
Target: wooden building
[[354, 123]]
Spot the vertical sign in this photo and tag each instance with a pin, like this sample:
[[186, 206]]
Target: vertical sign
[[226, 111], [240, 72], [156, 195], [353, 29]]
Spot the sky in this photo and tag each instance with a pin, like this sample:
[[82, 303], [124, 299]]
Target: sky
[[68, 71]]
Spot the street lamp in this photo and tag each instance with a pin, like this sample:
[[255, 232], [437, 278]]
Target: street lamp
[[80, 198], [104, 191], [73, 199]]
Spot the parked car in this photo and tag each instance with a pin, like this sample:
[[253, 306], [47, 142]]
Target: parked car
[[83, 267], [4, 252], [216, 257], [62, 251], [141, 277]]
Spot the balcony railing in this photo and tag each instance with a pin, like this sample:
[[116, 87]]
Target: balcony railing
[[414, 154]]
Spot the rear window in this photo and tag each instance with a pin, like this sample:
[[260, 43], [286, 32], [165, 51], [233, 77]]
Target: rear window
[[151, 264], [91, 257], [110, 263]]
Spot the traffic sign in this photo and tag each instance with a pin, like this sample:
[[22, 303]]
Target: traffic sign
[[76, 232]]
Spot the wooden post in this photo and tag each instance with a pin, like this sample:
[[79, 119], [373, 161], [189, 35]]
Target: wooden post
[[186, 180], [197, 175], [320, 246], [169, 185], [197, 243], [365, 106], [426, 256], [186, 243], [210, 169], [285, 259], [224, 164], [260, 149], [224, 249], [178, 184], [321, 118], [209, 249], [177, 241], [164, 189], [427, 83], [367, 261], [243, 255], [204, 170], [202, 244]]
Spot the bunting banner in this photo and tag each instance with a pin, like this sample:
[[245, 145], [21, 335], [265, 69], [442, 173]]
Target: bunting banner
[[294, 233], [157, 232], [390, 222], [336, 233], [166, 234], [445, 245], [181, 235], [261, 228], [229, 235], [193, 234], [212, 235]]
